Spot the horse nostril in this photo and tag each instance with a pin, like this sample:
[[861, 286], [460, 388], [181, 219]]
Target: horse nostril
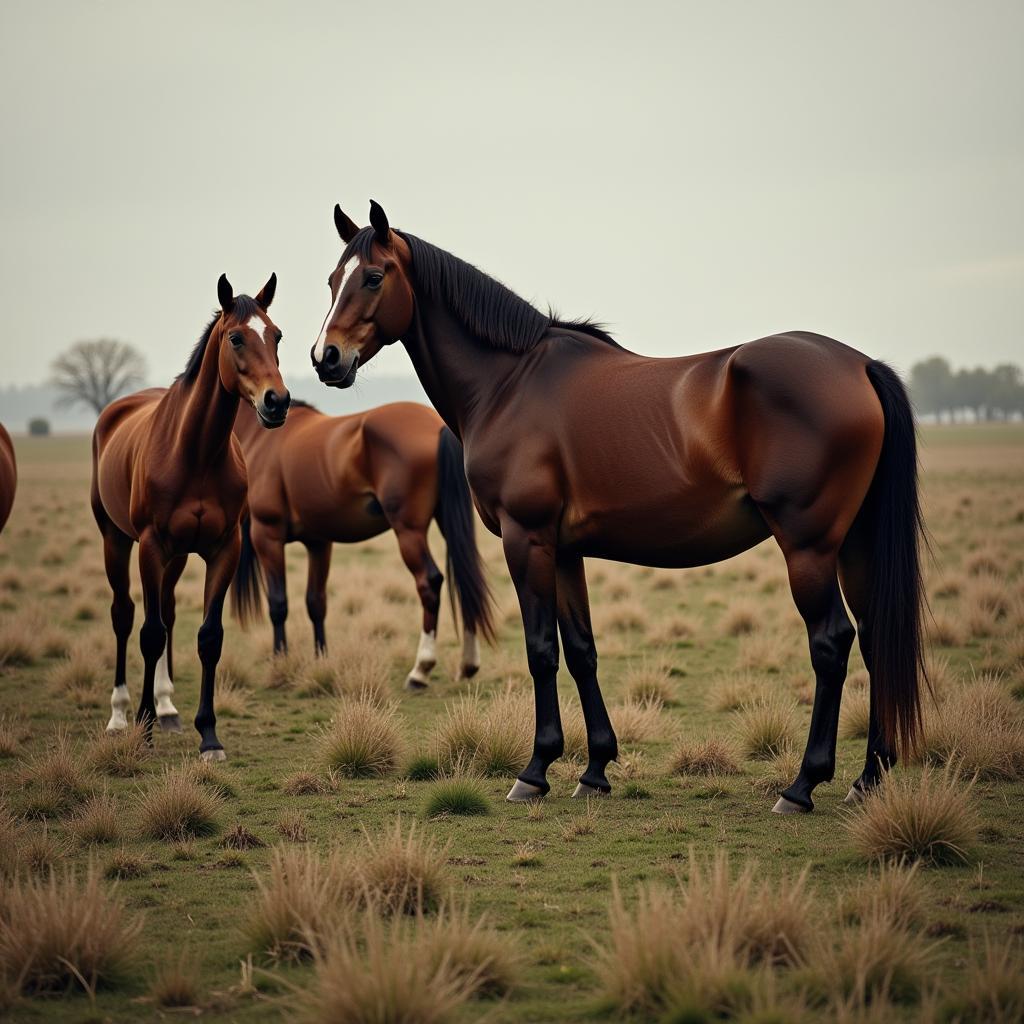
[[332, 356], [275, 403]]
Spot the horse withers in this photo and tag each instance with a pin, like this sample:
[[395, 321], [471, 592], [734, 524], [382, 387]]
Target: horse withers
[[576, 447], [324, 479], [169, 474]]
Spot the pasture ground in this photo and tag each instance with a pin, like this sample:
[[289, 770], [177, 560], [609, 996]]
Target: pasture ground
[[541, 878]]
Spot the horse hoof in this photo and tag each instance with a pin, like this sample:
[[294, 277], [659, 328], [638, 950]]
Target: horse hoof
[[216, 754], [583, 791], [467, 672], [855, 796], [523, 792], [113, 730], [415, 685], [784, 806], [170, 723]]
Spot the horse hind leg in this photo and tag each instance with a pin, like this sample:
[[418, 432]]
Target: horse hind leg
[[815, 586], [412, 544], [163, 685], [855, 574]]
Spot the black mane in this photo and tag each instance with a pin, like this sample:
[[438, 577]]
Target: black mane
[[485, 306], [244, 308]]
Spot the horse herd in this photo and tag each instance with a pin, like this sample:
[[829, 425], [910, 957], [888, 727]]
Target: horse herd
[[568, 445]]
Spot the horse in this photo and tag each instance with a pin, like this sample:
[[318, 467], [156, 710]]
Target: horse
[[168, 472], [8, 476], [576, 447], [325, 479]]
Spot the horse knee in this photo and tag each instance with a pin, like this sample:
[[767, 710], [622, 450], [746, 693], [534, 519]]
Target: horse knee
[[580, 659], [316, 606], [122, 616], [211, 640], [549, 743], [830, 651], [542, 659]]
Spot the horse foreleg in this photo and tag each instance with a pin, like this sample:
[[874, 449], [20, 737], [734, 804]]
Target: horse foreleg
[[530, 555], [153, 635], [815, 586], [581, 660], [268, 544], [412, 544], [220, 570], [163, 687], [117, 551], [316, 591]]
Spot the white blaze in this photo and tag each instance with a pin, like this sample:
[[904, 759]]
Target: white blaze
[[318, 351], [259, 325]]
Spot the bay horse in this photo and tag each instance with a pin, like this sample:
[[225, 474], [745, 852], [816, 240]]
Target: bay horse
[[576, 447], [8, 476], [324, 479], [167, 472]]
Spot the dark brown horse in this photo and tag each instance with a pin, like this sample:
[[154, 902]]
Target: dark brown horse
[[325, 479], [168, 473], [578, 448], [8, 475]]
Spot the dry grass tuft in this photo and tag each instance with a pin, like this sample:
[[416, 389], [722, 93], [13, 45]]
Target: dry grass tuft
[[649, 682], [285, 670], [307, 783], [713, 924], [929, 819], [742, 618], [125, 864], [474, 953], [56, 778], [488, 738], [402, 872], [373, 971], [637, 721], [13, 735], [64, 932], [993, 991], [703, 757], [362, 739], [731, 691], [238, 837], [175, 983], [178, 806], [293, 826], [765, 727], [98, 821], [457, 793], [894, 892], [20, 645], [855, 715], [120, 754], [778, 772], [79, 675]]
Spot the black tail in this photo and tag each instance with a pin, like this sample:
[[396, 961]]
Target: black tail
[[895, 621], [454, 515], [247, 586]]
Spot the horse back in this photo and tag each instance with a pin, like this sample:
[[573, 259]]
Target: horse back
[[8, 475]]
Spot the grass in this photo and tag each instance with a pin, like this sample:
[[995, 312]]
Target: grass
[[764, 727], [175, 983], [539, 876], [929, 818], [459, 795], [362, 740], [703, 757], [178, 806]]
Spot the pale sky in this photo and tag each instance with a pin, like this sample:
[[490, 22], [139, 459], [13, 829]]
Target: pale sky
[[695, 174]]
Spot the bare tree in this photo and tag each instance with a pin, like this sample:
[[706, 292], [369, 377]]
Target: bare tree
[[94, 373]]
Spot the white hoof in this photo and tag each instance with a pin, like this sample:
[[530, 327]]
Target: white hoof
[[170, 723], [855, 796], [784, 806], [583, 790], [116, 725], [414, 685], [213, 755], [523, 792]]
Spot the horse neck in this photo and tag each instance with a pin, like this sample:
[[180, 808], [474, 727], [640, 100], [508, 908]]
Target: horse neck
[[460, 374], [208, 410], [247, 426]]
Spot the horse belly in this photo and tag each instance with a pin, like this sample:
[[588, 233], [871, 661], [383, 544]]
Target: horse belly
[[669, 534], [347, 522]]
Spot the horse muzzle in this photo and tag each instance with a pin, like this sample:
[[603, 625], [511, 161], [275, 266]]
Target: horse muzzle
[[335, 369], [272, 408]]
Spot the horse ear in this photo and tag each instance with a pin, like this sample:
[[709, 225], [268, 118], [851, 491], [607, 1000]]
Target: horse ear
[[347, 229], [225, 293], [379, 220], [266, 295]]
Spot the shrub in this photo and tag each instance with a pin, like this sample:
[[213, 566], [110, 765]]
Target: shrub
[[362, 739], [63, 932], [927, 819], [764, 727], [177, 806], [39, 427], [704, 757]]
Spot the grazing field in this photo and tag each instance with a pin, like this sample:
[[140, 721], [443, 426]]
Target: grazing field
[[287, 881]]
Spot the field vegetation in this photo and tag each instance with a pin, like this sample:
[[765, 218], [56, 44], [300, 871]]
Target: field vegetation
[[354, 859]]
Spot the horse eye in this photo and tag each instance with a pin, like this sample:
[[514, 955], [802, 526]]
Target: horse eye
[[373, 281], [236, 339]]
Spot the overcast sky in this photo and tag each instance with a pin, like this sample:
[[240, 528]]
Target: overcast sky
[[694, 174]]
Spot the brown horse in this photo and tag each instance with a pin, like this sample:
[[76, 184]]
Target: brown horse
[[8, 475], [322, 479], [577, 448], [168, 473]]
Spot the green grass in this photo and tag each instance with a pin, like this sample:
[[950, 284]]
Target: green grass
[[194, 894]]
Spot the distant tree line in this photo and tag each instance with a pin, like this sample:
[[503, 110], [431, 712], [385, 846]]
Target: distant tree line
[[989, 394]]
